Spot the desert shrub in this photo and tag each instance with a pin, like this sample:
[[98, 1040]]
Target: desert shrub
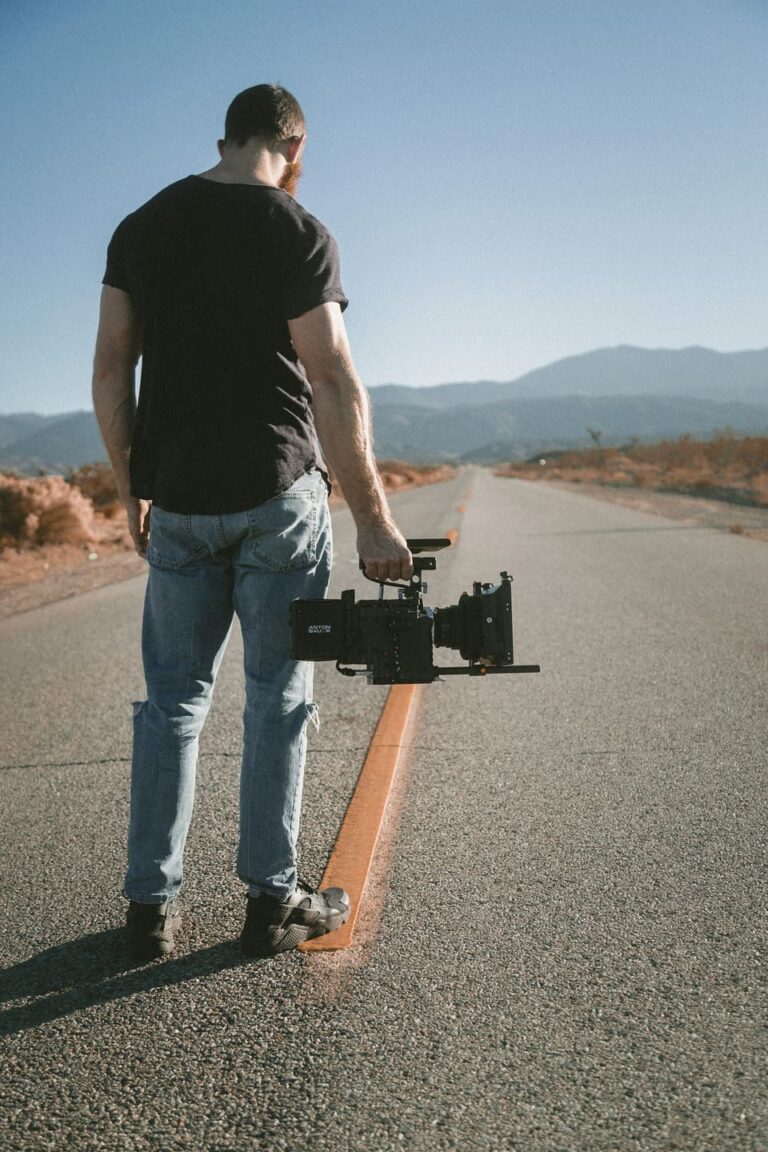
[[43, 510], [96, 482], [12, 511], [751, 455], [397, 474], [727, 465], [392, 480]]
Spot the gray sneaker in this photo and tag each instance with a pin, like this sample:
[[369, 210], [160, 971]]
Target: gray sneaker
[[150, 929], [272, 926]]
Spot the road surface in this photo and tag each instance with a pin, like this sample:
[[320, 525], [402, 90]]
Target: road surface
[[564, 944]]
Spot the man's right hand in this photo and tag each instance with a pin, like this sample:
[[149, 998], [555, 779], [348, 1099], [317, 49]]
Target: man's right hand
[[139, 512], [384, 552]]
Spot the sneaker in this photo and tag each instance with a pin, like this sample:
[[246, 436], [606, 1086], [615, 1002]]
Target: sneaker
[[150, 929], [273, 926]]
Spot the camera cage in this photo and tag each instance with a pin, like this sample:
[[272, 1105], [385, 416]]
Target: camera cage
[[413, 592], [392, 640]]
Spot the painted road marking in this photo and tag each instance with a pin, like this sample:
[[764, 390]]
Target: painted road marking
[[350, 862], [352, 856]]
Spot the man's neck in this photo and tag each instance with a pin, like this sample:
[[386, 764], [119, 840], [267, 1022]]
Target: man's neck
[[257, 166]]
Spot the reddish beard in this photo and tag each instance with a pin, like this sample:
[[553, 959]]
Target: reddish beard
[[289, 181]]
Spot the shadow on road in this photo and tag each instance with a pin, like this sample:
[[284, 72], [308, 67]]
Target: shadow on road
[[94, 970]]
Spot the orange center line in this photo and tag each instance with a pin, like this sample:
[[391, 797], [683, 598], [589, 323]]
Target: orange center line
[[352, 856], [349, 864]]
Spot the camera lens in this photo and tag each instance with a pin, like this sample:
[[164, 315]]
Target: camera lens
[[479, 626], [452, 626]]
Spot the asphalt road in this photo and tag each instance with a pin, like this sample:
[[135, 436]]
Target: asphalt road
[[565, 945]]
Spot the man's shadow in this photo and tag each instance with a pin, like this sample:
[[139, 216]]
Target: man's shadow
[[95, 970]]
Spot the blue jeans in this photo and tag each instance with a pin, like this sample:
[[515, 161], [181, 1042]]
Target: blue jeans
[[203, 570]]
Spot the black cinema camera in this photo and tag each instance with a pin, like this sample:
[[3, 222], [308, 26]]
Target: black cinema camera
[[392, 639]]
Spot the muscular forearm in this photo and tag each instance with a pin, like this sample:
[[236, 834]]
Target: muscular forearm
[[118, 346], [115, 408], [343, 422]]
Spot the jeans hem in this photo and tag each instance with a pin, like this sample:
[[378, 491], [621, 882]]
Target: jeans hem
[[150, 900], [254, 890]]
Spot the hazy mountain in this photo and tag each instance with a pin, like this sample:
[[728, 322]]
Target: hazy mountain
[[20, 424], [63, 442], [621, 371], [628, 371], [441, 395], [519, 427], [622, 392]]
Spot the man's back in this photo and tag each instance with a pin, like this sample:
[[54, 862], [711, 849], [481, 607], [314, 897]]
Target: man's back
[[222, 283], [215, 271]]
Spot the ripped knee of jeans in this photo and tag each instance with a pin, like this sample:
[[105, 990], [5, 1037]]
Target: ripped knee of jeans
[[313, 714]]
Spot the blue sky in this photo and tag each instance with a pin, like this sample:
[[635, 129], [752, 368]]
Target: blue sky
[[509, 182]]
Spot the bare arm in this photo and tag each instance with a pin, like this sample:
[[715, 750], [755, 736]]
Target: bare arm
[[118, 347], [342, 419]]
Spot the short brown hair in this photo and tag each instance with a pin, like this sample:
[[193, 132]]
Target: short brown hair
[[267, 111]]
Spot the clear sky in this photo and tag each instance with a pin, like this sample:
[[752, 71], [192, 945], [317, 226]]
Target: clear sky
[[510, 181]]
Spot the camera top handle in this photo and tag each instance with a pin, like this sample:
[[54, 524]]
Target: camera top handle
[[420, 563], [416, 546]]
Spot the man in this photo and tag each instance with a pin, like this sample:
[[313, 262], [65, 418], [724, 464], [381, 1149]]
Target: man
[[230, 293]]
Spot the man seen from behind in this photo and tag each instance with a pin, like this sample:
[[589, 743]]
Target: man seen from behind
[[230, 293]]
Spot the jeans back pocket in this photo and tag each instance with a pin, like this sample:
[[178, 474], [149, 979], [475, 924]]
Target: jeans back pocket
[[283, 530], [172, 543]]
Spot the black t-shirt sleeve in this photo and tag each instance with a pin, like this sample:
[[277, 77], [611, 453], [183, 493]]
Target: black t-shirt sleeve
[[116, 274], [314, 274]]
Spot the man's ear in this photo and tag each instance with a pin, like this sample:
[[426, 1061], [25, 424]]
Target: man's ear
[[220, 146], [295, 148]]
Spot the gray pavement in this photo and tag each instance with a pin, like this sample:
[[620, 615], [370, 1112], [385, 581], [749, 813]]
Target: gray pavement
[[565, 944]]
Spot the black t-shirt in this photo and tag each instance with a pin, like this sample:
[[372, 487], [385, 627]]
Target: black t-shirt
[[215, 271]]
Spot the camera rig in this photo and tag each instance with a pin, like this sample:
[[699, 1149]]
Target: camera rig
[[390, 641]]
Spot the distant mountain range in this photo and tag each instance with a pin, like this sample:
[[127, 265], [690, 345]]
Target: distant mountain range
[[51, 443], [699, 373], [650, 393], [623, 392]]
